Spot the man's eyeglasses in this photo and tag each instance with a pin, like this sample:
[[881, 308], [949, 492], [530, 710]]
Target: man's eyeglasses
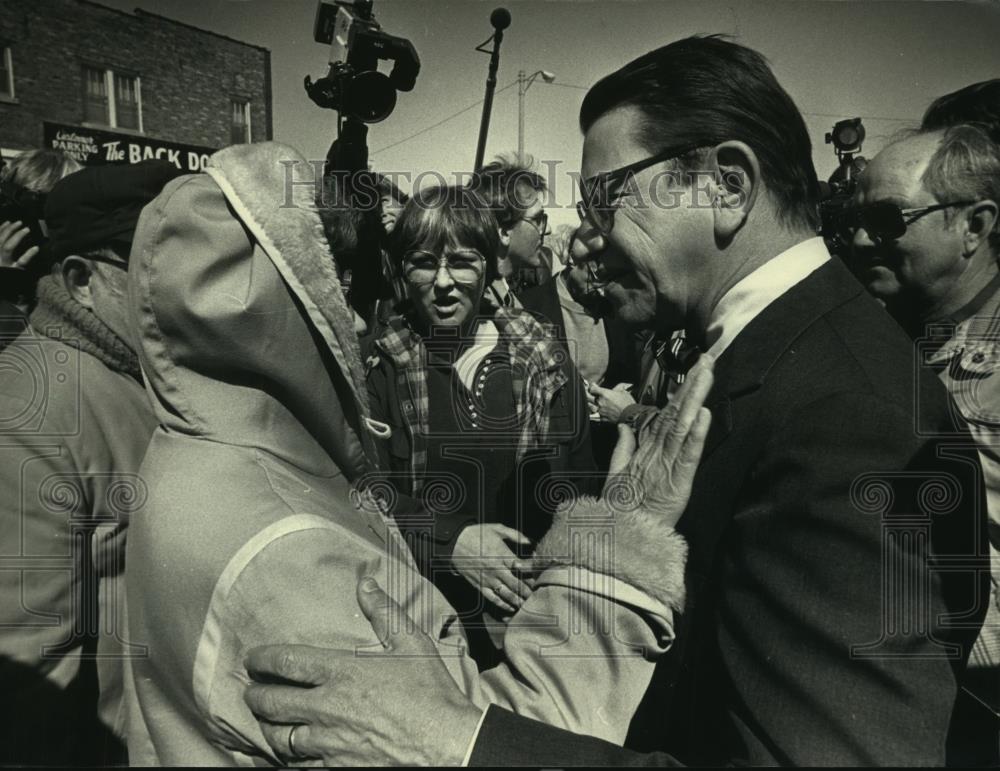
[[883, 221], [539, 223], [465, 267], [108, 257], [601, 194], [595, 285]]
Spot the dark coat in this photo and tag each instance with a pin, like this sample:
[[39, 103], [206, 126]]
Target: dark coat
[[567, 454], [832, 474]]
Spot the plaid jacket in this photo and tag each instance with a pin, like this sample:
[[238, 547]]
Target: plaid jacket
[[537, 375]]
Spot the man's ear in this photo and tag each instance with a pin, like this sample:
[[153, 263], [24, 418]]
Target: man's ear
[[504, 239], [77, 274], [979, 223], [737, 185]]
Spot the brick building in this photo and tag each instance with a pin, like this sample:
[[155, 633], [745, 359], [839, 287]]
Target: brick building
[[107, 85]]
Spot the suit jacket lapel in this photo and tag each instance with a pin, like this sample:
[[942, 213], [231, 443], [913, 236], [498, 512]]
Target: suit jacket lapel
[[743, 367]]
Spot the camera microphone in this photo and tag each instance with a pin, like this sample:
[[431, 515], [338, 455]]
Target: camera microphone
[[500, 18]]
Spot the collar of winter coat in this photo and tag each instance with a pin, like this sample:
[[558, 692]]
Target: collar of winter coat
[[527, 339], [60, 317], [244, 335]]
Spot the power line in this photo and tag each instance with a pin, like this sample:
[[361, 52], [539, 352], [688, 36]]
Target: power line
[[443, 120], [587, 88], [865, 117], [568, 85]]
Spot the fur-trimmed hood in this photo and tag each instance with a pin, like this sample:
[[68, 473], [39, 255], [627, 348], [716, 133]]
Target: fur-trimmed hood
[[244, 334]]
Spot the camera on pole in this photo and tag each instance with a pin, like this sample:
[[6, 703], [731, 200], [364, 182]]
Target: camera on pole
[[354, 87], [846, 137], [360, 94]]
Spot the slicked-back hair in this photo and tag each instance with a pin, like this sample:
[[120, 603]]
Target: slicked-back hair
[[978, 103], [503, 184], [707, 90], [450, 216], [966, 167]]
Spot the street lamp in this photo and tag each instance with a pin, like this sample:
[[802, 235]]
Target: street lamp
[[523, 84]]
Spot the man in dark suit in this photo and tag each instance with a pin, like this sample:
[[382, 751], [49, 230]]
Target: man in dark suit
[[837, 524]]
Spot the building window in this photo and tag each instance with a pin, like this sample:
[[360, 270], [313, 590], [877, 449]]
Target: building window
[[240, 133], [96, 97], [127, 102], [6, 72], [112, 99]]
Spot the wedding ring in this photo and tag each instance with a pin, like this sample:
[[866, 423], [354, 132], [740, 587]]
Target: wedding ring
[[292, 752]]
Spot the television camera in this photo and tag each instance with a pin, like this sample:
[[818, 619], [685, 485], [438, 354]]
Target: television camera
[[846, 137], [360, 95], [354, 87]]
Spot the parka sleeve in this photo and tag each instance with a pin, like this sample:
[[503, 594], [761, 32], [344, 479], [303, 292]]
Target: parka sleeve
[[579, 655]]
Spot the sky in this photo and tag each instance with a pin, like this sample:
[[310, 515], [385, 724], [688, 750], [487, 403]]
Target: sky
[[882, 60]]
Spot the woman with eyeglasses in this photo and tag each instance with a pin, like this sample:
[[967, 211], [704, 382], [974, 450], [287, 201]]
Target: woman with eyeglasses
[[484, 427]]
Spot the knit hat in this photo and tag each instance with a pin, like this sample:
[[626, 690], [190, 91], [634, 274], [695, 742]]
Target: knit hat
[[99, 206]]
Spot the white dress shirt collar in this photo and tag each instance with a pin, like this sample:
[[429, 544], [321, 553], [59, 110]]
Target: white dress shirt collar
[[746, 299]]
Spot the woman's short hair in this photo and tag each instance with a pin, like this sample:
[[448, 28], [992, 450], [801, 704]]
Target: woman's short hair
[[453, 216], [38, 170]]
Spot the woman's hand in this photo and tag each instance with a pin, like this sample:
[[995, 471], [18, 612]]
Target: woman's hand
[[483, 558], [11, 235], [660, 471], [609, 401]]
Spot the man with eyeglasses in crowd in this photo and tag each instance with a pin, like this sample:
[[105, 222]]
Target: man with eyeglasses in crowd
[[514, 191], [74, 425], [598, 346], [813, 498], [923, 227]]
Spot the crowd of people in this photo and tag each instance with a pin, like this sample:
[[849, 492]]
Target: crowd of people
[[290, 478]]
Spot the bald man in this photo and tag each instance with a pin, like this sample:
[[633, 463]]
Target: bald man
[[924, 229]]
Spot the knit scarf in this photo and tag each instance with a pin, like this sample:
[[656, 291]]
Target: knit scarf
[[62, 318]]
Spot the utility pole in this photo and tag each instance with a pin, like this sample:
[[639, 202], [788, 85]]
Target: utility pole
[[521, 89], [523, 84]]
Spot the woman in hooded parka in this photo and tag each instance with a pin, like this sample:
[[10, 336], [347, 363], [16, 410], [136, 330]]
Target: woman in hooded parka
[[253, 531]]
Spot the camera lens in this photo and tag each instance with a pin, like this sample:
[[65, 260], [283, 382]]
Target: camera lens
[[370, 97], [848, 136]]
